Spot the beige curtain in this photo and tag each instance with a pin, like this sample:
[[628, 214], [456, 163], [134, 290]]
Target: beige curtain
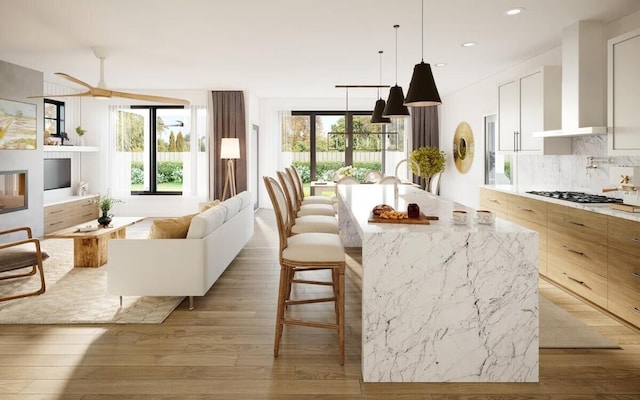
[[228, 122]]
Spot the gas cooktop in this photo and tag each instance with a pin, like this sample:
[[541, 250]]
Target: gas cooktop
[[578, 197]]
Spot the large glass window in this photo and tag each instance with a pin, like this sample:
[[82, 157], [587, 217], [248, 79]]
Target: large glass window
[[165, 150], [54, 116], [320, 142], [498, 166]]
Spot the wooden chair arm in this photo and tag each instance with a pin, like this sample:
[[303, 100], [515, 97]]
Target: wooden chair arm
[[36, 241], [23, 228]]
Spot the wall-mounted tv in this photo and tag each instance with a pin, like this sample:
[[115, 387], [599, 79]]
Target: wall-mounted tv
[[57, 173]]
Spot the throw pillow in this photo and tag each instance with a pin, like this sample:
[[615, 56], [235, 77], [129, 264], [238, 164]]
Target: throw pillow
[[171, 228], [209, 204]]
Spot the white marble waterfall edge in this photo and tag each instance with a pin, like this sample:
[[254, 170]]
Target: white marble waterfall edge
[[454, 308]]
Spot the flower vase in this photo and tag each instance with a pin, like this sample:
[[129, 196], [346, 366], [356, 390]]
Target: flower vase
[[105, 219], [80, 141]]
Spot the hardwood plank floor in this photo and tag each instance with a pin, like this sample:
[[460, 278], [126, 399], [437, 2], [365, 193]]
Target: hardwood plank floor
[[224, 350]]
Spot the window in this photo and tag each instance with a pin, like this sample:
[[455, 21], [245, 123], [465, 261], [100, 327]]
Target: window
[[497, 169], [165, 146], [320, 142], [54, 116]]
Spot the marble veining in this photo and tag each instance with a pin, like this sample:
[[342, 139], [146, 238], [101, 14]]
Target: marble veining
[[444, 302]]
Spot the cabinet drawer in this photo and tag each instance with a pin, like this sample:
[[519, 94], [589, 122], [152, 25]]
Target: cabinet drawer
[[580, 224], [625, 303], [528, 209], [624, 235], [52, 211], [495, 201], [624, 269], [587, 255], [587, 284]]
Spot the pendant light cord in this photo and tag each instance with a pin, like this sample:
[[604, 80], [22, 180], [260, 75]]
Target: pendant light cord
[[396, 27], [380, 52], [422, 15]]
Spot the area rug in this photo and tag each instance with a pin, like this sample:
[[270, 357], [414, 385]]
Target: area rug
[[561, 330], [77, 296]]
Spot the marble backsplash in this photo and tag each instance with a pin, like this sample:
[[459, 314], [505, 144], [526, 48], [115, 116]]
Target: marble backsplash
[[570, 172]]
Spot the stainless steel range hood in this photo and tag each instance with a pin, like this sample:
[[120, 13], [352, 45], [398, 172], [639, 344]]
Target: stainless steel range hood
[[583, 81]]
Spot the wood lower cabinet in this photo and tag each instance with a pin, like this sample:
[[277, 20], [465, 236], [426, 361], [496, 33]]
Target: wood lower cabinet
[[594, 255], [69, 213]]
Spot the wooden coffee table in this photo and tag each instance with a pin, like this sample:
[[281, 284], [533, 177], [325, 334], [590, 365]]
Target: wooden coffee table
[[90, 248]]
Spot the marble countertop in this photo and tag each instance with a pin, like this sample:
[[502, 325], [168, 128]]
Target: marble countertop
[[361, 199], [598, 208]]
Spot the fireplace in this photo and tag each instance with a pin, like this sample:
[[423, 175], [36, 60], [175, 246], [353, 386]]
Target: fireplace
[[13, 191]]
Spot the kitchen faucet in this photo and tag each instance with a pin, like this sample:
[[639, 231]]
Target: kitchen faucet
[[395, 184]]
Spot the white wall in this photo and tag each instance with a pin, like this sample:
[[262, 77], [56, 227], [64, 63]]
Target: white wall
[[473, 103], [16, 83]]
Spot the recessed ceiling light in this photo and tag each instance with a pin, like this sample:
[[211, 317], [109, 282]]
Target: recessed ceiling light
[[514, 11], [468, 44], [439, 65]]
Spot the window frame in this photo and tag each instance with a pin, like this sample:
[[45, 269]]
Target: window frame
[[59, 122]]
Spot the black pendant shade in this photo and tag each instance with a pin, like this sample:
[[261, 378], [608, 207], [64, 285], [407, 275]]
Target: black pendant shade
[[377, 117], [422, 89], [395, 107]]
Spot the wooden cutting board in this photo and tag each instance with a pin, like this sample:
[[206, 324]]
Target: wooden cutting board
[[422, 220], [626, 207]]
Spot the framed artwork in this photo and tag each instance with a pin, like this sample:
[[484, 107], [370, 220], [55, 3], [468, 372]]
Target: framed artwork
[[17, 125]]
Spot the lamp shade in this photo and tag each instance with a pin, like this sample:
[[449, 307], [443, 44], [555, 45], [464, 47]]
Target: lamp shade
[[377, 117], [395, 107], [422, 89], [230, 148]]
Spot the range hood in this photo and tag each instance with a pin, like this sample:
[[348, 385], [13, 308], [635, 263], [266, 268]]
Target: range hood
[[583, 81]]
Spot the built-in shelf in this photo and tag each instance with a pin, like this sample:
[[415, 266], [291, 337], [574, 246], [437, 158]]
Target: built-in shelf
[[71, 148]]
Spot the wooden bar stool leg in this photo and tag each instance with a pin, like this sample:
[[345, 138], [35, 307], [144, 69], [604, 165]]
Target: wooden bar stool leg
[[282, 293], [340, 301]]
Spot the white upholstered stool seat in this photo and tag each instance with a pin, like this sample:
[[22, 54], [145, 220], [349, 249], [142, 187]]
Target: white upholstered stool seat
[[316, 209], [315, 223], [314, 248], [317, 200]]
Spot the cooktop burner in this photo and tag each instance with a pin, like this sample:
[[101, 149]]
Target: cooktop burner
[[578, 197]]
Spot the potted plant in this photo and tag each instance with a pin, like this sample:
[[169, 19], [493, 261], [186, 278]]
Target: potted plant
[[105, 203], [80, 132], [431, 161]]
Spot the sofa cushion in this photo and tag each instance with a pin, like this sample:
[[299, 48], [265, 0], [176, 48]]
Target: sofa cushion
[[232, 205], [171, 228], [246, 199], [209, 204], [206, 222]]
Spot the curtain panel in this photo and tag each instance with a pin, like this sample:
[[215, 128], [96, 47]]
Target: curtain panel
[[228, 117], [425, 131]]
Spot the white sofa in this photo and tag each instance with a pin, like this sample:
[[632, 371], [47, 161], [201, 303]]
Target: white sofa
[[182, 267]]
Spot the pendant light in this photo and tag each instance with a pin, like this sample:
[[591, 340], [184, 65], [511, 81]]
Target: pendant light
[[377, 117], [395, 107], [422, 89]]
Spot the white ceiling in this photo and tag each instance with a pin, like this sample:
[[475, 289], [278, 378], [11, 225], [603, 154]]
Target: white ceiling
[[283, 48]]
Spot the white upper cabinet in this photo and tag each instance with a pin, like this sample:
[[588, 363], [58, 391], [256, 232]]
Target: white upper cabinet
[[624, 94], [531, 103]]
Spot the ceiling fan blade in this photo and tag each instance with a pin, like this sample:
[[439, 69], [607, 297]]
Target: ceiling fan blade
[[72, 79], [87, 93], [146, 97]]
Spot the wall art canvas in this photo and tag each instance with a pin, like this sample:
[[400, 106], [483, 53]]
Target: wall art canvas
[[17, 125]]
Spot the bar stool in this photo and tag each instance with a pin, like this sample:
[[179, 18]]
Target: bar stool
[[297, 179], [306, 252], [302, 209]]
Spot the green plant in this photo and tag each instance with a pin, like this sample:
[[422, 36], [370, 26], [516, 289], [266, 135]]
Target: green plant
[[430, 159], [105, 202], [80, 131]]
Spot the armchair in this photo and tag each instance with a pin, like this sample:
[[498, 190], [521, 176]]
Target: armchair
[[21, 254]]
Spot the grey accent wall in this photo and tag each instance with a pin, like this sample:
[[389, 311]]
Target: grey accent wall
[[16, 83]]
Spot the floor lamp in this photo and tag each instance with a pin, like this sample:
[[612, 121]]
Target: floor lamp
[[230, 150]]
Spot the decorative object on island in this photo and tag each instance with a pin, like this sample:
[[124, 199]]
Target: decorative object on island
[[463, 147], [105, 203], [347, 170], [431, 161], [377, 117], [422, 89], [230, 150], [395, 107]]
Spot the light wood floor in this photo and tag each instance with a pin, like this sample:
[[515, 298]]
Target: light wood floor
[[223, 350]]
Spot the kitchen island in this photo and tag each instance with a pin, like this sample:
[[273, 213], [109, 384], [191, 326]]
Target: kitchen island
[[442, 302]]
